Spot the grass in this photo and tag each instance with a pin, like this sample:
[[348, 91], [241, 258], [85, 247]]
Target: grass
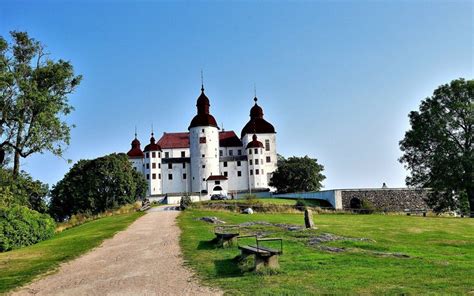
[[19, 267], [441, 254]]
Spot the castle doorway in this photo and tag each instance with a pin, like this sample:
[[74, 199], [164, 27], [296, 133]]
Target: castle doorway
[[355, 203], [217, 188]]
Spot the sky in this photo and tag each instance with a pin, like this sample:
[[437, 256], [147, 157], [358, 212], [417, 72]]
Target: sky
[[337, 79]]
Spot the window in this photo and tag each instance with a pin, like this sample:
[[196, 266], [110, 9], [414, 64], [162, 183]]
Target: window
[[167, 155], [170, 166], [269, 159], [153, 154], [148, 166], [204, 179], [148, 176], [225, 164], [231, 152], [238, 163], [170, 176], [202, 130], [256, 161], [147, 155], [221, 153], [255, 151], [202, 140], [153, 176], [153, 165], [183, 154], [256, 172], [217, 182], [202, 155], [267, 145], [184, 165], [251, 172], [262, 172], [159, 165], [250, 151], [203, 166], [159, 176], [239, 174], [159, 154], [184, 176], [239, 152], [225, 174], [250, 162]]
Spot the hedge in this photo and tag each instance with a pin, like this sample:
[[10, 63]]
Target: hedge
[[21, 226]]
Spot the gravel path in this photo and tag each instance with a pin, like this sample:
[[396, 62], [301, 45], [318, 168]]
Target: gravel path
[[144, 259]]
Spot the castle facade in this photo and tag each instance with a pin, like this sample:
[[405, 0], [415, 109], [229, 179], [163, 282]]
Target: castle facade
[[207, 160]]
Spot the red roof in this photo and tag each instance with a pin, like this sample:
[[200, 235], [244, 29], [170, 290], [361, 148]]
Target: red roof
[[135, 152], [174, 140], [181, 140], [256, 123], [216, 177], [229, 139]]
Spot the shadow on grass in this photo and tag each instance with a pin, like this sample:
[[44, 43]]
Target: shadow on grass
[[206, 245], [227, 268]]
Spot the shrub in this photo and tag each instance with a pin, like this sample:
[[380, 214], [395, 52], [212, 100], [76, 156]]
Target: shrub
[[301, 205], [251, 199], [185, 202], [367, 207], [20, 226]]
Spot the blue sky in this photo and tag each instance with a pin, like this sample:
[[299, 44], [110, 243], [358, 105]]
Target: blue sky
[[336, 78]]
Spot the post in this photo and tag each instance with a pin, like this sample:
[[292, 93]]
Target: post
[[308, 219]]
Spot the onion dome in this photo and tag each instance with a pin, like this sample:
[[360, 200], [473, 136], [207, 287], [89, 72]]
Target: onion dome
[[203, 117], [254, 143], [135, 151], [152, 146], [256, 123]]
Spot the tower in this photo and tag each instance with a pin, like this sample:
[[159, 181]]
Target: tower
[[136, 155], [257, 177], [153, 166], [204, 145]]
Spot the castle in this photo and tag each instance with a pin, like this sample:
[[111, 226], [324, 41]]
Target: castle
[[207, 160]]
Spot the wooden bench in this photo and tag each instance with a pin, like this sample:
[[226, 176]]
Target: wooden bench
[[415, 211], [226, 235], [264, 256]]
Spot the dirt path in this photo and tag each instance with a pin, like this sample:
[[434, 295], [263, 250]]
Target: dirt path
[[145, 259]]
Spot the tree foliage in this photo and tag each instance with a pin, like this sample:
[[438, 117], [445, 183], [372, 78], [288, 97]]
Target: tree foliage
[[93, 186], [438, 149], [34, 93], [298, 174], [22, 191]]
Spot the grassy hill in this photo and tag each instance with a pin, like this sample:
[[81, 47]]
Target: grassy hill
[[397, 255]]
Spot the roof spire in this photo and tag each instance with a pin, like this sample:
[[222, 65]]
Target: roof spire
[[135, 131], [202, 81], [255, 91], [152, 133]]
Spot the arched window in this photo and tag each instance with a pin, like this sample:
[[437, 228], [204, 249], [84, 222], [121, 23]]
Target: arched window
[[217, 188]]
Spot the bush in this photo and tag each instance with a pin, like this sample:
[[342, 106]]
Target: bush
[[301, 205], [185, 202], [251, 199], [20, 227], [367, 207]]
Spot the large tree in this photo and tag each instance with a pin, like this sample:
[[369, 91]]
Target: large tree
[[438, 148], [34, 93], [297, 174], [93, 186]]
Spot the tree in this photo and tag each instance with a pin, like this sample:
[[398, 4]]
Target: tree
[[438, 149], [298, 174], [33, 99], [93, 186]]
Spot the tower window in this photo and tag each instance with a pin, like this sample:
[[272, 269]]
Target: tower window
[[202, 130], [159, 176], [225, 164], [225, 174], [183, 153], [203, 155], [167, 155], [203, 166], [202, 140], [147, 165], [153, 165], [251, 172], [239, 174], [239, 152], [147, 155], [217, 182], [159, 154], [250, 151], [221, 153], [153, 176], [184, 176], [170, 176], [170, 166], [153, 154], [159, 165], [238, 163], [267, 145], [231, 152], [148, 176], [256, 161], [269, 159], [255, 151], [256, 172], [250, 162], [184, 165]]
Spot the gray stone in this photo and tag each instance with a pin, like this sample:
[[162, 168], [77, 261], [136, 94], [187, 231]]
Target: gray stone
[[213, 220], [308, 219]]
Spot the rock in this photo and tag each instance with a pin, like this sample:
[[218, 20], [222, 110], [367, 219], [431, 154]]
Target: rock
[[308, 219], [247, 211], [213, 220], [246, 224]]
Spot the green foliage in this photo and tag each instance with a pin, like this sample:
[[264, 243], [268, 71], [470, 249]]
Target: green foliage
[[34, 93], [20, 226], [185, 202], [301, 204], [298, 174], [367, 207], [22, 191], [20, 266], [438, 149], [94, 186]]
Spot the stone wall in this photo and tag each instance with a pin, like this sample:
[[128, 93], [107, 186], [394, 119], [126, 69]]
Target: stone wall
[[387, 199]]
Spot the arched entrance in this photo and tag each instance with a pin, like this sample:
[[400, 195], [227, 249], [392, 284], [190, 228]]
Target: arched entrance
[[355, 203], [217, 188]]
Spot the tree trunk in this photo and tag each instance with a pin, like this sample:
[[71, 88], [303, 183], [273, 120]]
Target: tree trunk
[[2, 156], [16, 165]]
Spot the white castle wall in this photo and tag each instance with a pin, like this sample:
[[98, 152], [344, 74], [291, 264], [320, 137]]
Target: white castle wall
[[235, 182], [204, 156], [177, 183], [152, 171]]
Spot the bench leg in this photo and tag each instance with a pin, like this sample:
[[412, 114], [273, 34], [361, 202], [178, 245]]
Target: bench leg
[[268, 262]]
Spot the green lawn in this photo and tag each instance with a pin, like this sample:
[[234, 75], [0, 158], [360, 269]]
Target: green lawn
[[20, 266], [441, 254]]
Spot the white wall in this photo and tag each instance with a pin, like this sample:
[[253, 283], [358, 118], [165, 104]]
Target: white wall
[[203, 154], [332, 196]]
